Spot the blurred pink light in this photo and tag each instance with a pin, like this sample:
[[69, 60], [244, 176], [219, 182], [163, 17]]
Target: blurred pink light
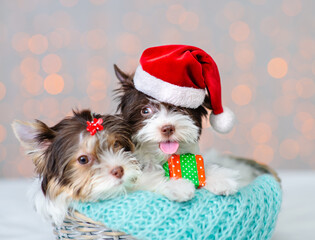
[[129, 43], [305, 88], [3, 133], [2, 91], [38, 44], [239, 31], [20, 41], [233, 11], [242, 94], [289, 149], [96, 39], [263, 153], [29, 66], [174, 13], [54, 84], [277, 67], [51, 63], [261, 132], [291, 7], [33, 84]]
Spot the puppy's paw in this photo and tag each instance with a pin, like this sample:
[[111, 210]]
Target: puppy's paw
[[222, 181], [180, 190]]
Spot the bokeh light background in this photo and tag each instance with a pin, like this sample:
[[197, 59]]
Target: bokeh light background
[[59, 54]]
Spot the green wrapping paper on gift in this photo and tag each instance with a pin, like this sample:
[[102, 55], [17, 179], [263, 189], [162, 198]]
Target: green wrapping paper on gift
[[188, 166]]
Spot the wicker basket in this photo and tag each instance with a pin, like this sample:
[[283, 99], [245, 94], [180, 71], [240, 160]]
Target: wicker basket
[[78, 226]]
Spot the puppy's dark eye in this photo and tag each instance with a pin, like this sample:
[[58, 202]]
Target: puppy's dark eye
[[83, 159], [146, 111]]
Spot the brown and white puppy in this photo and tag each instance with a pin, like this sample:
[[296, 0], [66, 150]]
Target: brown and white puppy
[[71, 164], [159, 130]]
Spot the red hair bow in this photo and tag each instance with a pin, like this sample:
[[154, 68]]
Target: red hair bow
[[95, 125]]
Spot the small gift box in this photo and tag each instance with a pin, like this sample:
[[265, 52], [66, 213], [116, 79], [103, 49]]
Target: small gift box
[[188, 166]]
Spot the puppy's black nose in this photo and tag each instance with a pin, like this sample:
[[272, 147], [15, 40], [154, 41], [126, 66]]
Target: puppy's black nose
[[118, 172], [167, 130]]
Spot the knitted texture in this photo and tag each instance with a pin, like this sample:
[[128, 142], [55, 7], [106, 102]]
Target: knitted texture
[[249, 214]]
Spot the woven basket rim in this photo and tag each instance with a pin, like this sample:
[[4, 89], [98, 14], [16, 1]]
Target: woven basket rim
[[259, 166], [77, 216], [76, 224]]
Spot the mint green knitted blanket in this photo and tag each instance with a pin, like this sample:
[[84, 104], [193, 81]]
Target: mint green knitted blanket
[[249, 214]]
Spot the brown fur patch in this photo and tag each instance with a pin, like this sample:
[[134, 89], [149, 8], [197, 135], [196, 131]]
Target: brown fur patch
[[58, 165], [131, 101]]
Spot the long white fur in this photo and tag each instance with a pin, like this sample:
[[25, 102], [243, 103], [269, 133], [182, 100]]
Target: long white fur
[[246, 172], [106, 185], [54, 210], [177, 190], [148, 137], [103, 186], [220, 180]]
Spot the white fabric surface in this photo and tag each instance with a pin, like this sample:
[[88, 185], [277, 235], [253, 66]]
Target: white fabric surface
[[296, 220]]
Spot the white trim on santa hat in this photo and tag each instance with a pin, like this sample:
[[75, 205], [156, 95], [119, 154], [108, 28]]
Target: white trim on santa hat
[[166, 92]]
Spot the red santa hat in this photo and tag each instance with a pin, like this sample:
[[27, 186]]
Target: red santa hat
[[180, 75]]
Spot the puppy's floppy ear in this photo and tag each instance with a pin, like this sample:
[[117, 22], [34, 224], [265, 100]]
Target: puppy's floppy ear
[[128, 144], [122, 77], [207, 103], [120, 140], [35, 137]]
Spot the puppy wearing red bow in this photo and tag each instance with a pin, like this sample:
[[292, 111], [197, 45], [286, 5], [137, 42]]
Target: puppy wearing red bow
[[85, 157]]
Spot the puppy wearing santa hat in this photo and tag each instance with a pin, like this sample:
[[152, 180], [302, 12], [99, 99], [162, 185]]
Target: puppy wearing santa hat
[[164, 102]]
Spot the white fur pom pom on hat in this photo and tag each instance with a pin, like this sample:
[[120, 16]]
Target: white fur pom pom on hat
[[223, 122]]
